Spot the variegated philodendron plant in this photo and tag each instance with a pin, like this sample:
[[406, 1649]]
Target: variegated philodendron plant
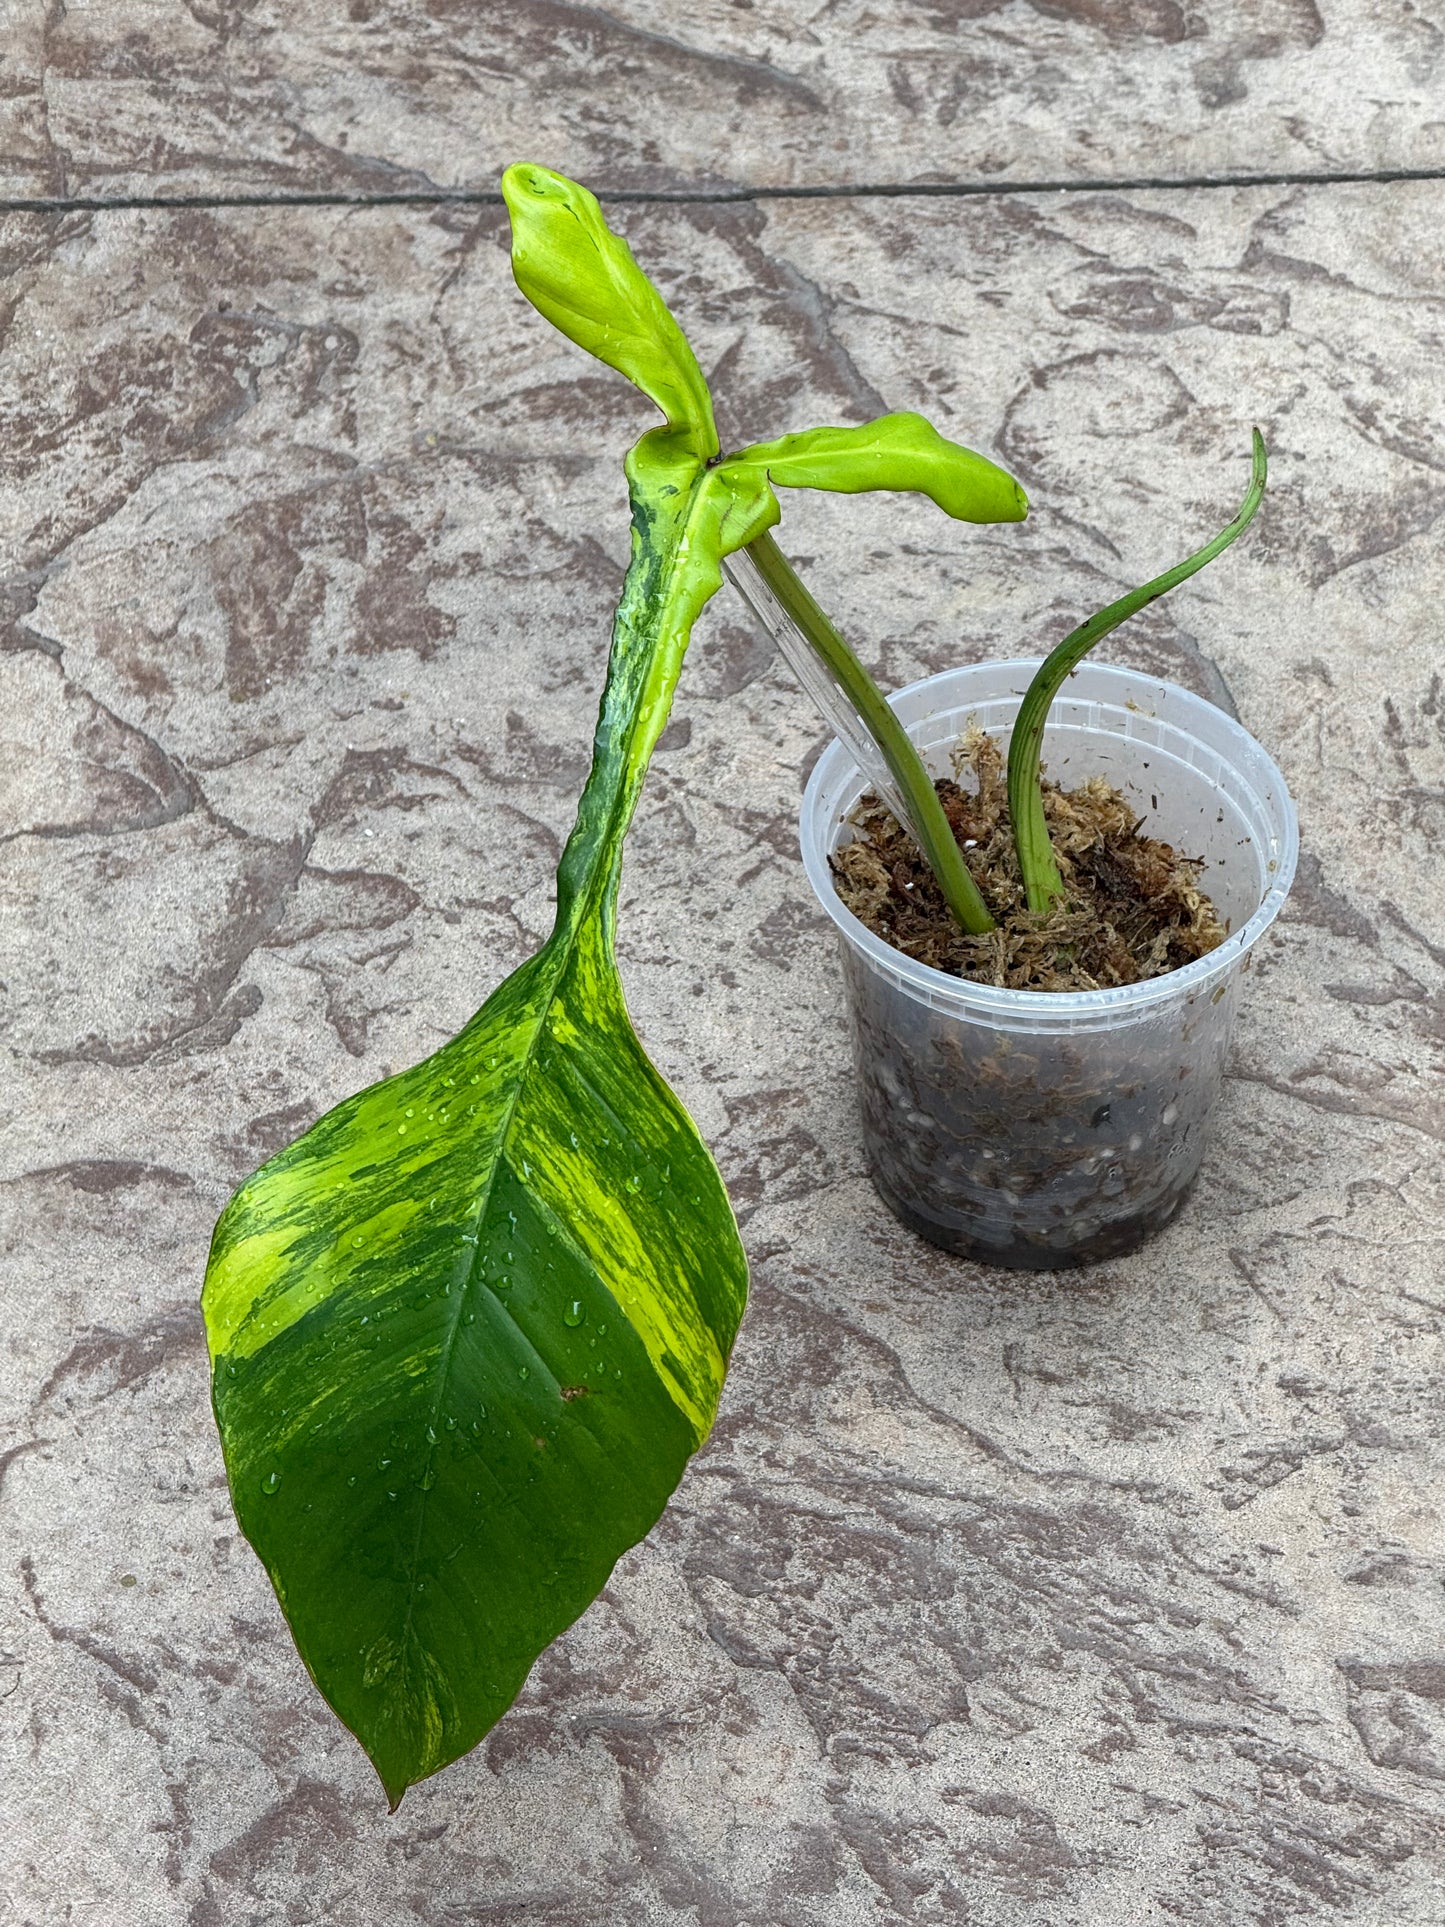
[[467, 1331]]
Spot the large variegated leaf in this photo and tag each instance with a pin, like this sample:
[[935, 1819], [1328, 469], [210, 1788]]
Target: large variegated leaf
[[467, 1330]]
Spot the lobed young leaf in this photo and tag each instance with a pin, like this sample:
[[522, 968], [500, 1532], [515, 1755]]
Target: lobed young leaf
[[898, 451]]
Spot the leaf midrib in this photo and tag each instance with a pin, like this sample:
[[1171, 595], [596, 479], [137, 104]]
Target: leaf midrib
[[477, 1219]]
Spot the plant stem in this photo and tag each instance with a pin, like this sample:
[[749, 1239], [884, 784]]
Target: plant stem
[[926, 816], [1042, 882]]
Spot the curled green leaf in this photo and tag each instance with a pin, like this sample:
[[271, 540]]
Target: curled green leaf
[[898, 451], [582, 277], [1040, 871]]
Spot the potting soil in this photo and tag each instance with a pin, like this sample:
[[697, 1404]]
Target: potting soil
[[1133, 907]]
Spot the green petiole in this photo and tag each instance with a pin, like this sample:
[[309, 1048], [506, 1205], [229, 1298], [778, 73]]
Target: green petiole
[[927, 819], [1042, 882]]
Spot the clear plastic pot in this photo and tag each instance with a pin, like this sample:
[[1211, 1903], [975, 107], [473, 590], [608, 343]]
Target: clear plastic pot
[[1036, 1128]]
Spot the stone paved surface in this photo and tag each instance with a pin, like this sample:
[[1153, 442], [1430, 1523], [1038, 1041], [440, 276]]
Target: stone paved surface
[[121, 97], [1019, 1602]]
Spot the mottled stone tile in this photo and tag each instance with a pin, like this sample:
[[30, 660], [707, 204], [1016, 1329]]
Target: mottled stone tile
[[1103, 1598], [133, 98]]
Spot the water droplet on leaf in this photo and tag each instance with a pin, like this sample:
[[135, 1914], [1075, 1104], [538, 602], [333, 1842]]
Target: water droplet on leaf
[[574, 1313], [271, 1481]]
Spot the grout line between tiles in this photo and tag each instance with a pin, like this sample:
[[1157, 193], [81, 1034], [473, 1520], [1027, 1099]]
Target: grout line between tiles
[[715, 196]]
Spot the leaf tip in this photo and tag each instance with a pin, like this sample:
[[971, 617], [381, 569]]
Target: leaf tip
[[535, 197], [395, 1789], [529, 180]]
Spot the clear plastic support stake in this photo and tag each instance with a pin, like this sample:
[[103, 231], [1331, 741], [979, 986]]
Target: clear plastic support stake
[[818, 681]]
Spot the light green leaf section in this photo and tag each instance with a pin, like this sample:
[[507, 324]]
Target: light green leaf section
[[467, 1331], [899, 451], [582, 276]]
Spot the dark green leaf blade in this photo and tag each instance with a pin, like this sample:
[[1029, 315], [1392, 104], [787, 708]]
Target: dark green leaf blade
[[467, 1331]]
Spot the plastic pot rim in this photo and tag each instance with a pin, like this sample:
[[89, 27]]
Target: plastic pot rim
[[1047, 1009]]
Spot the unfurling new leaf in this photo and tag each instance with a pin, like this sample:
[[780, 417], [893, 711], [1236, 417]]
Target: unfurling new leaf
[[582, 277], [899, 451]]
